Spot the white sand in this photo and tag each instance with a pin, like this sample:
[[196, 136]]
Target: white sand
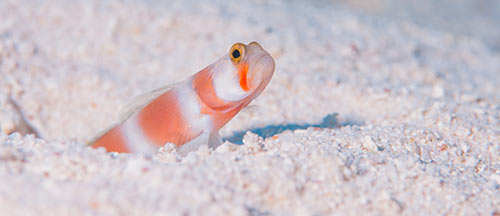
[[417, 130]]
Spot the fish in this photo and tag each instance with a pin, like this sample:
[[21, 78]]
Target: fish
[[190, 113]]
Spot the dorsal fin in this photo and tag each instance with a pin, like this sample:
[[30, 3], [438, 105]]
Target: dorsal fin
[[141, 101]]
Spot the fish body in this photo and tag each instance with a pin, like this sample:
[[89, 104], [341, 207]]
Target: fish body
[[191, 113]]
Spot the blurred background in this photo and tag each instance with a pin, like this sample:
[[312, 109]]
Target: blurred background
[[479, 18]]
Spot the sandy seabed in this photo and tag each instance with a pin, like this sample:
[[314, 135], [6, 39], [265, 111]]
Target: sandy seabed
[[362, 117]]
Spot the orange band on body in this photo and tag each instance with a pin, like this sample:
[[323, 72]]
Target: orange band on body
[[162, 121], [219, 110], [112, 141], [204, 87]]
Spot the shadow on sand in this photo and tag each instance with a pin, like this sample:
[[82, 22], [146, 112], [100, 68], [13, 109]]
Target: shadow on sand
[[329, 121]]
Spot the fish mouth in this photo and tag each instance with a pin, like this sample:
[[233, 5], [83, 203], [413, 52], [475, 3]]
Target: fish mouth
[[262, 70]]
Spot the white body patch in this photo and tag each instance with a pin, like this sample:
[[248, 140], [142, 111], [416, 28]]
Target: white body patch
[[227, 82], [135, 139], [191, 113], [191, 108]]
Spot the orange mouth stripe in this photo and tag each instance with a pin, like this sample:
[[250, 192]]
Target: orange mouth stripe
[[243, 70]]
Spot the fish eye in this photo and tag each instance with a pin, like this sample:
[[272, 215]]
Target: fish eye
[[237, 52]]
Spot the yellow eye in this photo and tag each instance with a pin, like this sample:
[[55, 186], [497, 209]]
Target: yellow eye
[[237, 52]]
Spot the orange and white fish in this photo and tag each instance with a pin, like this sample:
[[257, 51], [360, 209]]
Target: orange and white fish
[[190, 113]]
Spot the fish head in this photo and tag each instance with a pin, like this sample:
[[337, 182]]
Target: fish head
[[243, 73]]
